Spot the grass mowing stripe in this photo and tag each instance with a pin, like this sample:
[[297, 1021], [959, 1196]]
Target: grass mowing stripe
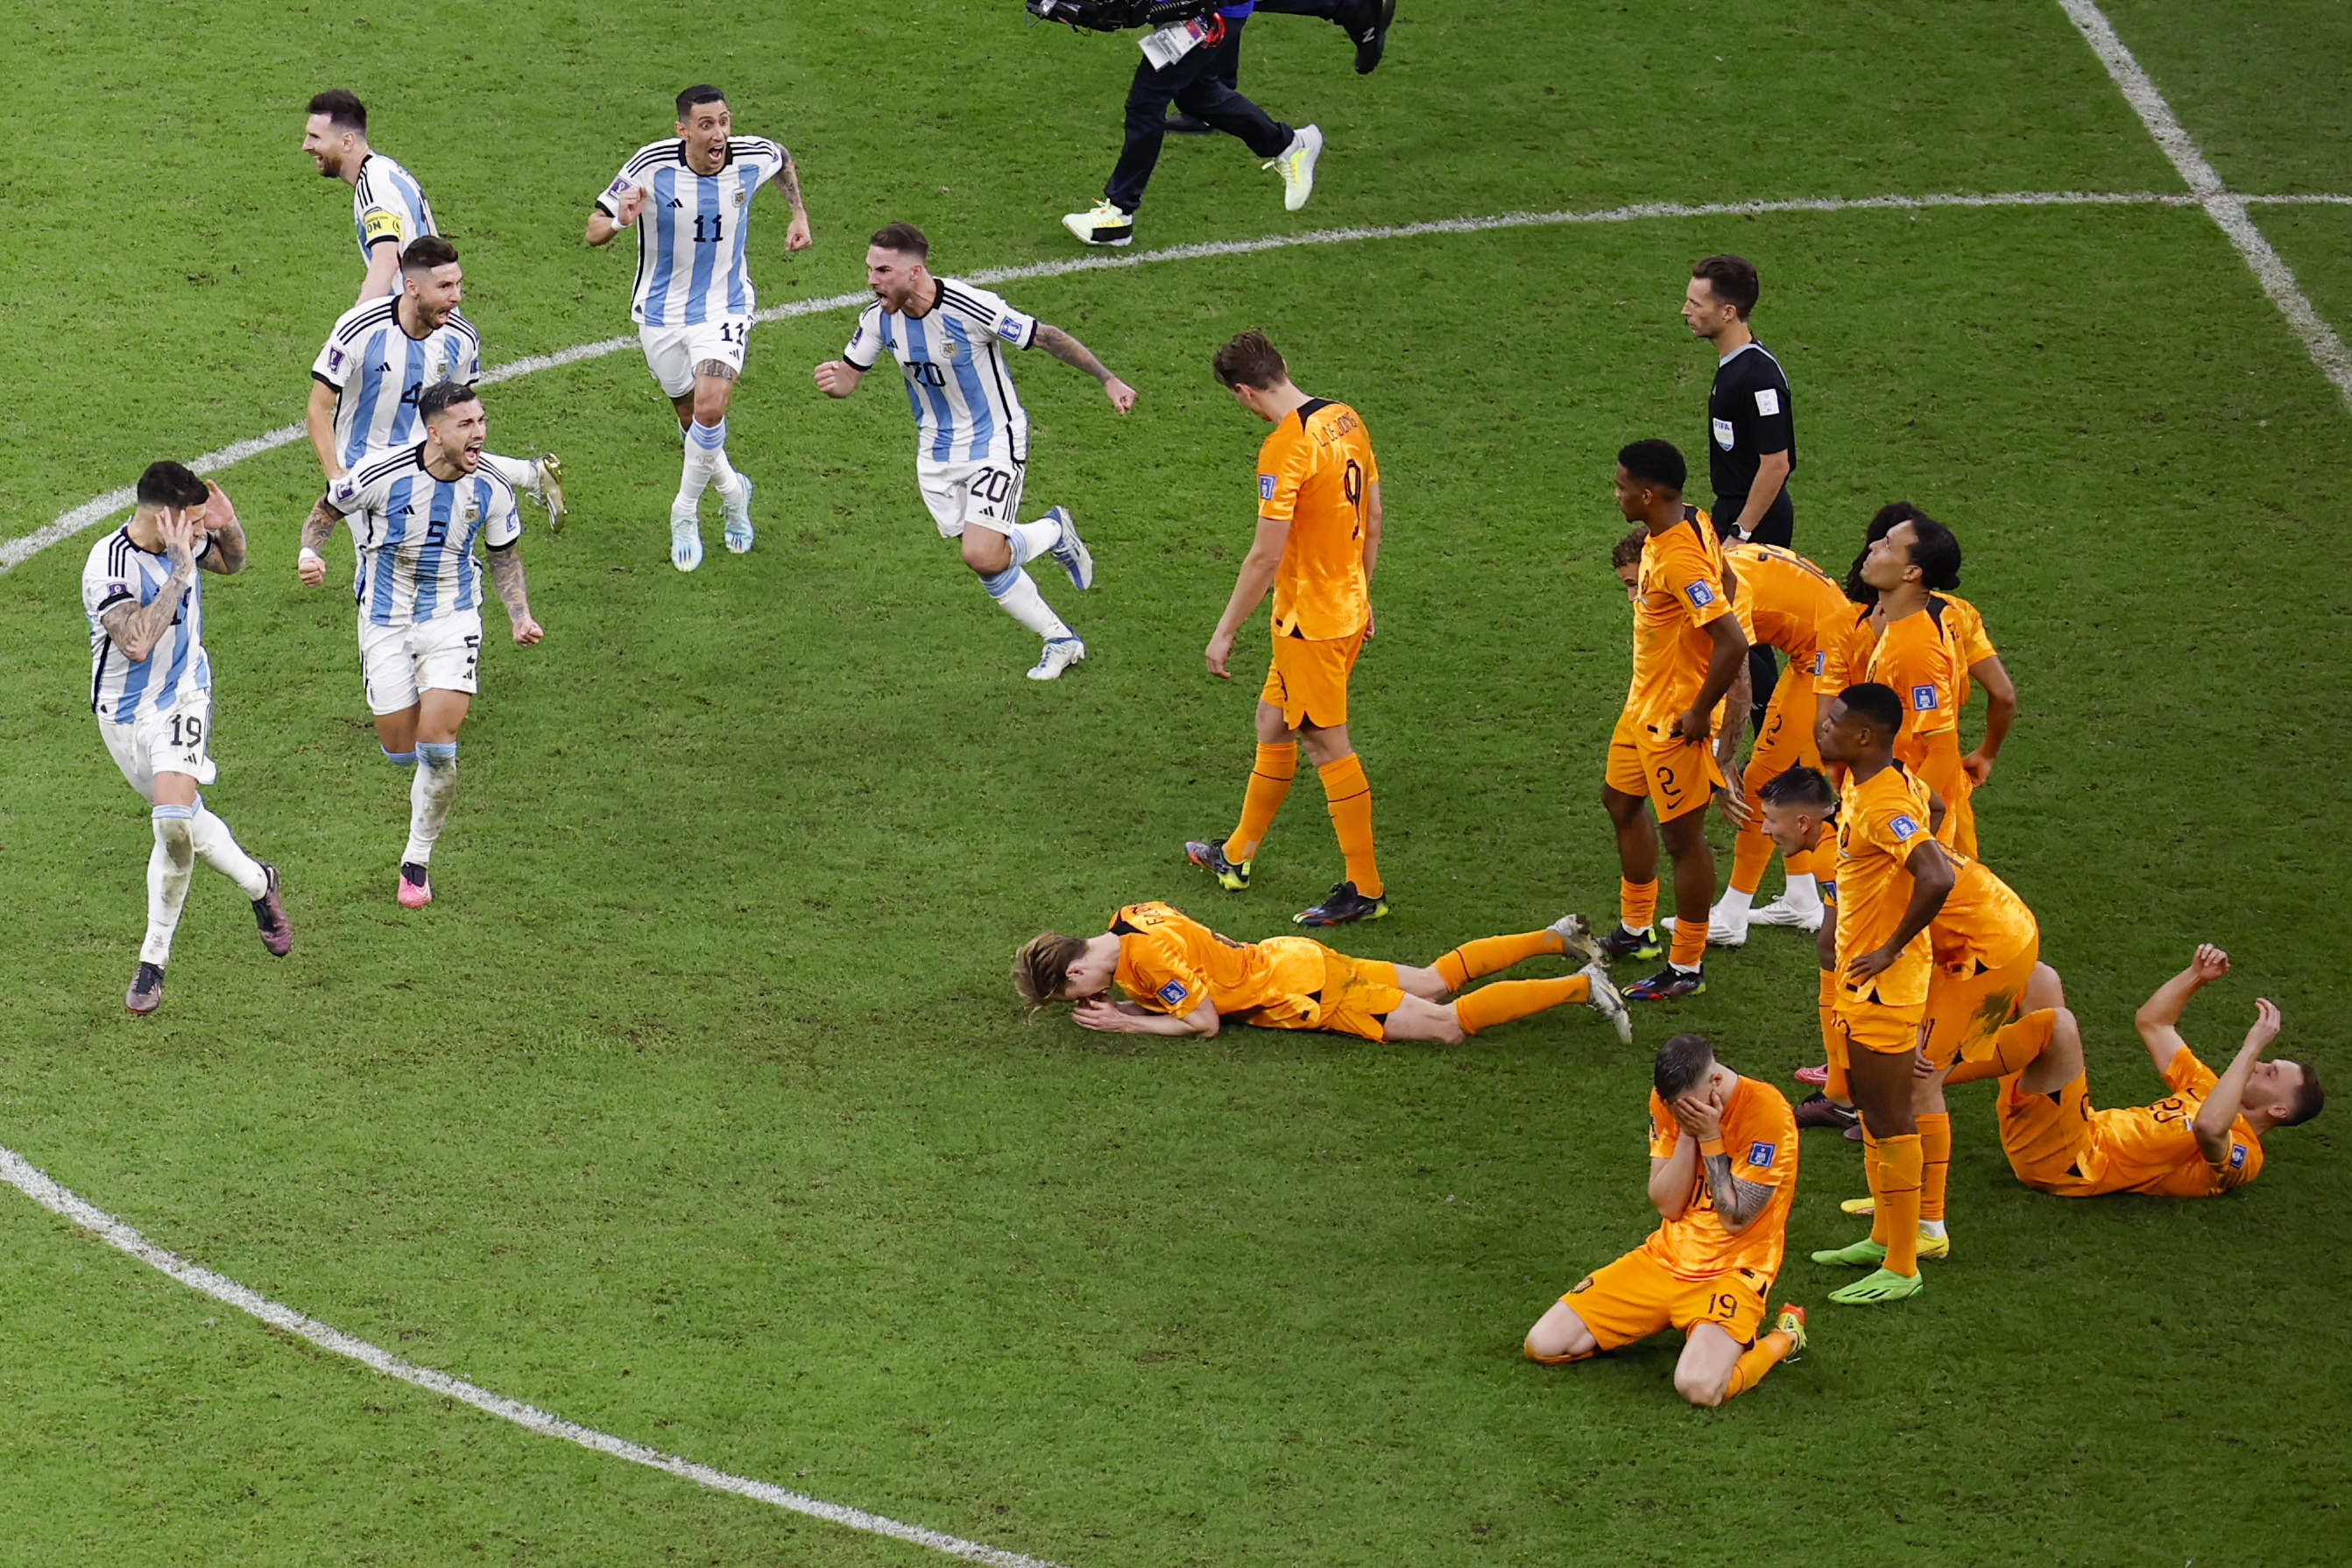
[[2328, 350], [36, 1185], [97, 508]]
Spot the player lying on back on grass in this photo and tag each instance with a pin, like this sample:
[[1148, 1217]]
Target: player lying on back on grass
[[1181, 978], [1723, 1172]]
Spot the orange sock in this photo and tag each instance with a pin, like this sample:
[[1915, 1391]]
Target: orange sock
[[1488, 954], [1690, 947], [1756, 1361], [2014, 1049], [1935, 1160], [1873, 1179], [1898, 1200], [1800, 864], [1637, 903], [1507, 999], [1750, 853], [1348, 795], [1269, 782], [1556, 1360]]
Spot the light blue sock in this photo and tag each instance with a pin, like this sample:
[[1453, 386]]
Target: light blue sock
[[437, 753], [398, 758]]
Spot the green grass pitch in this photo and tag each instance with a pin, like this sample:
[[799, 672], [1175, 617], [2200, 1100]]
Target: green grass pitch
[[698, 1108]]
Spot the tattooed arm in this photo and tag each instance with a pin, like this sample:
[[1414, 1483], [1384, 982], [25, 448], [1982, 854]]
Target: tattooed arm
[[308, 565], [137, 628], [225, 534], [1071, 352], [788, 179], [1736, 1201], [506, 576]]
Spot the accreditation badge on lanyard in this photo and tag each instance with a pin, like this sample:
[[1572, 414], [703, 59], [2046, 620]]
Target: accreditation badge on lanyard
[[1163, 47]]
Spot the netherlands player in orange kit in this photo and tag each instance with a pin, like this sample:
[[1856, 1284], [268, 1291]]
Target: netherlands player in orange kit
[[1183, 979], [2202, 1140], [1689, 656], [1723, 1172], [1318, 539]]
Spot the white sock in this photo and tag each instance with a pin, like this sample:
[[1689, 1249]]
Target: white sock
[[169, 865], [702, 447], [1802, 892], [1031, 539], [1018, 598], [1931, 1227], [521, 472], [429, 794], [1734, 906], [723, 477], [216, 846]]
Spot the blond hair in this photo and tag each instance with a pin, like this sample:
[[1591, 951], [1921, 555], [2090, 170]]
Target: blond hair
[[1041, 967]]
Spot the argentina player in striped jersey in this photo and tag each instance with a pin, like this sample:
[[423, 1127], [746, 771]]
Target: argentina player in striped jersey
[[151, 686], [383, 353], [414, 516], [689, 198], [389, 211], [971, 434]]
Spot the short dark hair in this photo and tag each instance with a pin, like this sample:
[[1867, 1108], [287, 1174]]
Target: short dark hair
[[442, 396], [1250, 358], [903, 237], [171, 484], [426, 252], [1798, 787], [1882, 524], [701, 92], [1682, 1062], [1733, 280], [1937, 553], [1876, 703], [340, 108], [1660, 462], [2309, 1100], [1627, 552]]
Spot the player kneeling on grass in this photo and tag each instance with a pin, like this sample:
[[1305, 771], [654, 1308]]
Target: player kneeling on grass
[[1182, 978], [1723, 1172]]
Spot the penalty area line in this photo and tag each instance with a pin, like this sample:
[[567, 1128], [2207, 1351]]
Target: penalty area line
[[98, 509], [36, 1185]]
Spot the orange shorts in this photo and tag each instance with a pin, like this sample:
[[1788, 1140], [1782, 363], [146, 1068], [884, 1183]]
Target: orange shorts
[[1968, 1004], [1307, 679], [1677, 777], [1345, 995], [1787, 740], [1635, 1298], [1871, 1026], [2045, 1136]]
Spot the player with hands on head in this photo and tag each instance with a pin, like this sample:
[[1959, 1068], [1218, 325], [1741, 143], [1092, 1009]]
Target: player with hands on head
[[1316, 545], [1690, 658], [414, 516], [1184, 981], [1723, 1174], [151, 686], [972, 434], [688, 198]]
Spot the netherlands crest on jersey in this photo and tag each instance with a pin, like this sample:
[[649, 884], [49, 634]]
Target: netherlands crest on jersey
[[1759, 1153], [1701, 596], [1265, 487], [1923, 699], [1172, 993], [1902, 826]]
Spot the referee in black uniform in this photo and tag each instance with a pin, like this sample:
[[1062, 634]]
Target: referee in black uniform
[[1752, 445]]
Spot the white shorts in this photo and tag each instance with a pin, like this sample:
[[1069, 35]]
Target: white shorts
[[672, 352], [172, 741], [985, 490], [439, 655]]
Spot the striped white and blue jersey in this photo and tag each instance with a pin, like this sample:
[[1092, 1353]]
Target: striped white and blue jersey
[[388, 204], [952, 356], [377, 371], [415, 534], [120, 572], [690, 256]]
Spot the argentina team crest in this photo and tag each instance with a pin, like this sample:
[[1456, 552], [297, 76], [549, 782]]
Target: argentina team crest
[[473, 513]]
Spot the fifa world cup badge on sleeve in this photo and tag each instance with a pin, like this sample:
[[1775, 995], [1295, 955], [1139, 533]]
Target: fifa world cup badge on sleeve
[[1172, 993], [1903, 828], [1701, 596], [1759, 1154], [1922, 698], [1265, 487]]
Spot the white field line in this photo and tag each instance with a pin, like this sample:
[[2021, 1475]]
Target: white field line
[[98, 509], [36, 1185], [2328, 350]]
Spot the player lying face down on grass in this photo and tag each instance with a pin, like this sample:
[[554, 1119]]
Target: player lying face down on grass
[[1182, 979], [1723, 1172]]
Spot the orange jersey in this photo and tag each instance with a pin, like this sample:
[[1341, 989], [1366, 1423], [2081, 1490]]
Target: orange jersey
[[1170, 963], [1983, 922], [2150, 1148], [1843, 641], [1879, 824], [1920, 657], [1680, 592], [1786, 596], [1315, 473], [1968, 632], [1760, 1133]]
